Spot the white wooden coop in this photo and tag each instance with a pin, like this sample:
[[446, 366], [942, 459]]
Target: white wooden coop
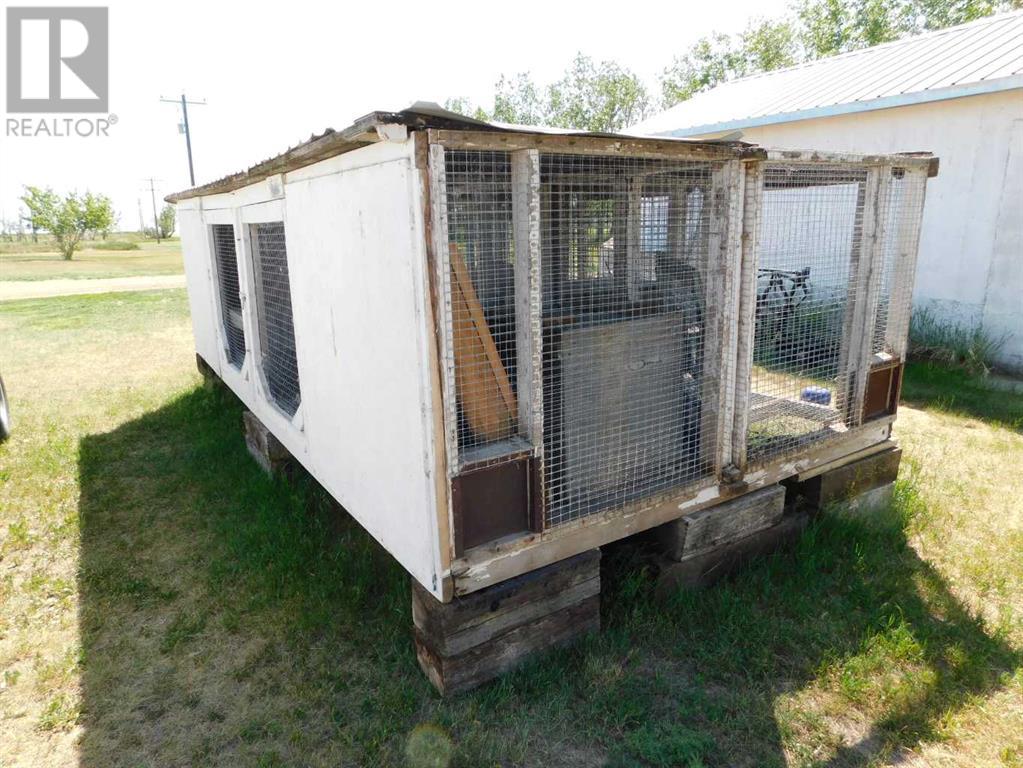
[[500, 347]]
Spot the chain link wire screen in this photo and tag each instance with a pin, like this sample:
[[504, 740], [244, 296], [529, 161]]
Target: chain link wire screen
[[810, 239], [901, 234], [624, 251], [273, 312], [479, 289], [226, 261]]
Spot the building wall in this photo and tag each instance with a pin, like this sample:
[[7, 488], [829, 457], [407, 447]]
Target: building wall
[[970, 269]]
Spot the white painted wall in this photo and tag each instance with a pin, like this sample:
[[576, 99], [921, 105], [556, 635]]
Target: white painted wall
[[970, 268], [357, 266]]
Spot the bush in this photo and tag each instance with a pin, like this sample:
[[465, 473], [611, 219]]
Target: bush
[[114, 245], [951, 344]]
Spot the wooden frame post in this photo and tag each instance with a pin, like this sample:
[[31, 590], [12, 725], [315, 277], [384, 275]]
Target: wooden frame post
[[858, 273], [722, 304], [752, 194], [866, 271], [442, 265], [525, 180], [904, 274]]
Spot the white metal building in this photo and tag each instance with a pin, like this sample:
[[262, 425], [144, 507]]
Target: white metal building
[[957, 93]]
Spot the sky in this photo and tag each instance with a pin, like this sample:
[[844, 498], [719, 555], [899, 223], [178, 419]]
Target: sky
[[272, 74]]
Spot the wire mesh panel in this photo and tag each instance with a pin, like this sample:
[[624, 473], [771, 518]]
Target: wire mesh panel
[[901, 232], [625, 248], [810, 236], [226, 260], [479, 289], [273, 310]]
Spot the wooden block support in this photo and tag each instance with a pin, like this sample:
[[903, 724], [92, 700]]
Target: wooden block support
[[704, 568], [209, 376], [712, 528], [874, 499], [266, 449], [858, 477], [478, 637]]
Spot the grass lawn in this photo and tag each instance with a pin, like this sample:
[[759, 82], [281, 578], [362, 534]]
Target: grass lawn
[[28, 261], [162, 603]]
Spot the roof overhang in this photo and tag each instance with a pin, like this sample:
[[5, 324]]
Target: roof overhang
[[377, 126], [901, 100]]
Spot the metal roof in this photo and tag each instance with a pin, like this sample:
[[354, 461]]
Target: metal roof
[[980, 57]]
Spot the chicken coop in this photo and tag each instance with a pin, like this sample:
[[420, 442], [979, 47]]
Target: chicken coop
[[500, 347]]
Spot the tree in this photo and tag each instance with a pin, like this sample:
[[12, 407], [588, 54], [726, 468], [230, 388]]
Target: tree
[[590, 96], [517, 100], [768, 45], [67, 219], [166, 221], [763, 46], [703, 66], [938, 14], [99, 214], [602, 97], [464, 106], [828, 27], [819, 28]]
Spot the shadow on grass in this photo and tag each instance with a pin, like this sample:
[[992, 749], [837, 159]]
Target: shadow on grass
[[228, 619], [931, 386]]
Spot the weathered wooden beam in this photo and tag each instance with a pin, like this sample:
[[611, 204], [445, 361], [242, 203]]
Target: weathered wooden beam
[[471, 640], [486, 566], [591, 145], [525, 181], [210, 378], [705, 568], [924, 160], [442, 281], [850, 480], [266, 449], [752, 183], [873, 267], [434, 368], [715, 527]]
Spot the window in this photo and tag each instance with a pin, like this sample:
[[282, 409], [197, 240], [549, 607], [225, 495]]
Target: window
[[274, 317], [226, 262]]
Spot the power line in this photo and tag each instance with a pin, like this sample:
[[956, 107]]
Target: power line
[[184, 126]]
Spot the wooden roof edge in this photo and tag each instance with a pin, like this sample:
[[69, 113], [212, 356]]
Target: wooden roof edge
[[362, 132]]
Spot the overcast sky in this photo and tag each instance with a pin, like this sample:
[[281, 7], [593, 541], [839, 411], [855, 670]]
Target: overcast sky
[[274, 73]]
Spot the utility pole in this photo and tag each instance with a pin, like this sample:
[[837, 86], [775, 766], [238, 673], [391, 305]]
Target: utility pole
[[142, 223], [152, 196], [184, 129]]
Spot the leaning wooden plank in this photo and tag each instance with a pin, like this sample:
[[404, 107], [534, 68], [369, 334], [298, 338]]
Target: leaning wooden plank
[[484, 390]]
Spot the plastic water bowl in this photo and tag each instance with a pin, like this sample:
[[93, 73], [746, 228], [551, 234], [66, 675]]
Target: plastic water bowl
[[818, 395]]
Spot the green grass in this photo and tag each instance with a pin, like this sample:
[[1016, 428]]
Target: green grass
[[969, 348], [955, 391], [163, 602], [114, 245], [122, 255]]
